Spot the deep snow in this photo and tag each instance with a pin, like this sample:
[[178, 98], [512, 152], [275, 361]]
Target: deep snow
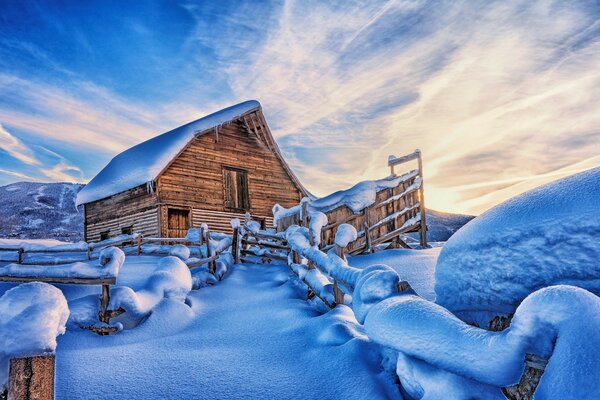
[[415, 266], [251, 336], [547, 236]]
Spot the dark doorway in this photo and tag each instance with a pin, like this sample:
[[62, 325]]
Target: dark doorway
[[178, 222]]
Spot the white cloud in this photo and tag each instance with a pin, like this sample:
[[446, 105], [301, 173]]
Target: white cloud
[[488, 91], [16, 148]]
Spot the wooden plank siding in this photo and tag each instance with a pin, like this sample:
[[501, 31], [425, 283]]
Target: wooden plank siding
[[136, 207], [195, 179]]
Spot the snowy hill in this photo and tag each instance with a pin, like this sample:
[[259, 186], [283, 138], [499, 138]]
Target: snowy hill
[[40, 210], [546, 236]]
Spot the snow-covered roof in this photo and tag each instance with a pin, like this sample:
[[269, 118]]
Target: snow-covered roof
[[145, 162]]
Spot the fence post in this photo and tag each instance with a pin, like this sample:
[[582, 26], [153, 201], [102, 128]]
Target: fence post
[[104, 300], [367, 226], [202, 236], [423, 228], [304, 214], [235, 246], [20, 260], [31, 378], [139, 245], [212, 265], [338, 294]]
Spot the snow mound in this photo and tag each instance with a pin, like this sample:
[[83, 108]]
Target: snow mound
[[180, 251], [31, 316], [143, 163], [558, 322], [172, 280], [547, 236]]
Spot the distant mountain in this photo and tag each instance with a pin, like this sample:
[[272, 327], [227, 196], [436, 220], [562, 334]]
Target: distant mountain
[[47, 211], [441, 225], [31, 210]]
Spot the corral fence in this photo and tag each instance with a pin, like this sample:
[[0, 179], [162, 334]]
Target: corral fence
[[134, 244], [398, 209]]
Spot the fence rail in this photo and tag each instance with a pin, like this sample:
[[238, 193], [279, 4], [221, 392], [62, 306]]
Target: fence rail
[[85, 251], [396, 210]]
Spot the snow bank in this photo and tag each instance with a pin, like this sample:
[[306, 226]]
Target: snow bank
[[180, 251], [172, 279], [559, 322], [143, 163], [111, 260], [31, 316], [550, 235]]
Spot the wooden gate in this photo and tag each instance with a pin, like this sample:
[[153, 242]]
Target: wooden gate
[[178, 222]]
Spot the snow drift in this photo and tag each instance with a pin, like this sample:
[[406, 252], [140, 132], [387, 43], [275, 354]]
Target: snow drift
[[547, 236], [31, 316], [559, 322]]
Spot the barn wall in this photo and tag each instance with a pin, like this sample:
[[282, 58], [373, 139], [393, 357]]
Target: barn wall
[[220, 221], [136, 207], [195, 178]]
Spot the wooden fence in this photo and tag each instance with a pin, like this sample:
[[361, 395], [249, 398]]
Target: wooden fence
[[25, 254], [397, 210]]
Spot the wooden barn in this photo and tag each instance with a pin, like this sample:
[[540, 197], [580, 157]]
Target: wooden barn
[[208, 171]]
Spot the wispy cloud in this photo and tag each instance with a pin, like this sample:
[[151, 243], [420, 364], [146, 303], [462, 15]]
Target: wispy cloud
[[503, 91], [16, 148], [500, 96], [43, 163]]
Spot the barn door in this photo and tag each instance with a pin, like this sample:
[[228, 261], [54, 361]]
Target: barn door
[[178, 222]]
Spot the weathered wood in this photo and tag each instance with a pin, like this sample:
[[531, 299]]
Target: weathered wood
[[212, 264], [104, 300], [367, 227], [194, 180], [423, 227], [202, 261], [397, 232], [338, 294], [31, 378], [59, 280], [139, 245], [263, 243], [235, 249], [401, 160]]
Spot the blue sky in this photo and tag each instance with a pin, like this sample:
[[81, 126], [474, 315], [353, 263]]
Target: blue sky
[[500, 96]]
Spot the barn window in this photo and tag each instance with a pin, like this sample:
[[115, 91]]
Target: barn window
[[235, 182], [104, 235]]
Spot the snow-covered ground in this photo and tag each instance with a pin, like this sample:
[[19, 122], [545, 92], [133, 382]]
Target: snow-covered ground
[[251, 336], [547, 236], [415, 266]]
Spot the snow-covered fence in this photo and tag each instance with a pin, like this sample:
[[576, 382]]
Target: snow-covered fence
[[379, 210], [78, 273], [250, 242], [40, 254], [32, 315], [434, 345]]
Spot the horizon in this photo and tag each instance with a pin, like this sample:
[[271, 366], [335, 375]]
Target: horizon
[[499, 97]]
